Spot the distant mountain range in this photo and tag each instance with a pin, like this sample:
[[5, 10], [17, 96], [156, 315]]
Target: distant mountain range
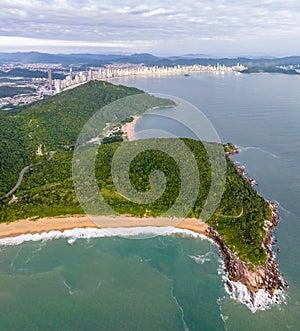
[[147, 59]]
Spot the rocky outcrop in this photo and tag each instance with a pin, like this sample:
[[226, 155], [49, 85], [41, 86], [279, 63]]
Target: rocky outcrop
[[262, 277], [231, 150]]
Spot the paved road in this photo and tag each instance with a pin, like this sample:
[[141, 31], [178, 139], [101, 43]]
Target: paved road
[[18, 183], [21, 177]]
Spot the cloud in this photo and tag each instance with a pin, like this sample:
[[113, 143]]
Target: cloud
[[21, 41], [157, 26]]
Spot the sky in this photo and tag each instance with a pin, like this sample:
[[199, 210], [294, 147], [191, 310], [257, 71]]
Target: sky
[[207, 27]]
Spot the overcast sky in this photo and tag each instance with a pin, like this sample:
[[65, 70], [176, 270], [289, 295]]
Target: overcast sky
[[212, 27]]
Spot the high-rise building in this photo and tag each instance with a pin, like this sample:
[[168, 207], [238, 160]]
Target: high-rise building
[[90, 75], [50, 80], [57, 84]]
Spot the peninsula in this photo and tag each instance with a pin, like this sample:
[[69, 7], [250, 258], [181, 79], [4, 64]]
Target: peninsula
[[40, 139]]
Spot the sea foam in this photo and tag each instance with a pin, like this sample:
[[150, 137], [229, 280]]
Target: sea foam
[[261, 301], [89, 233], [200, 259]]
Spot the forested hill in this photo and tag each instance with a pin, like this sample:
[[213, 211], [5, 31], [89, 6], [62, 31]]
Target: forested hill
[[54, 123], [47, 188]]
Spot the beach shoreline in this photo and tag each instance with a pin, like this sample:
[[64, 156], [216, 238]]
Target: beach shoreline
[[266, 278], [129, 128], [63, 223], [238, 277]]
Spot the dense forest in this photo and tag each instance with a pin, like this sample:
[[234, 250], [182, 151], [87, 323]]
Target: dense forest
[[54, 123], [47, 188]]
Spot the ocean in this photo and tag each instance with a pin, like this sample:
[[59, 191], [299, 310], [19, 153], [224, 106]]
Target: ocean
[[170, 282]]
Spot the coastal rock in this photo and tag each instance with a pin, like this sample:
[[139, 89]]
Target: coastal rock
[[266, 277]]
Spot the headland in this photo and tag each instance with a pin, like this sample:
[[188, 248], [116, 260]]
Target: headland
[[242, 227]]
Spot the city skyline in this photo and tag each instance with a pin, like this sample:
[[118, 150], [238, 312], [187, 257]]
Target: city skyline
[[210, 28]]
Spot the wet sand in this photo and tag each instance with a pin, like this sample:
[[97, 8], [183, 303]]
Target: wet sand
[[30, 226]]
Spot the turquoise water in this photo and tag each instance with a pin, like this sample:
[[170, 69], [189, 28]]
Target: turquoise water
[[109, 284], [156, 284]]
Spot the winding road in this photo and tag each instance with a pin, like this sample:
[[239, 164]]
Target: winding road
[[21, 175], [18, 182]]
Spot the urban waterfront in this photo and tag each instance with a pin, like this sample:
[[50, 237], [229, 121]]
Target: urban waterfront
[[48, 85]]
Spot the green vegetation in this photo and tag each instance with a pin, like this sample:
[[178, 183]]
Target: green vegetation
[[117, 136], [229, 148], [47, 188], [239, 218], [269, 69], [127, 120], [55, 124]]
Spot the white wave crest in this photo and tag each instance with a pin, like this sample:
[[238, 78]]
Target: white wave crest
[[88, 233], [237, 291], [200, 259], [260, 301]]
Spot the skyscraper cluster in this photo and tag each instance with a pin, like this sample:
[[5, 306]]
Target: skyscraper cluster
[[121, 70]]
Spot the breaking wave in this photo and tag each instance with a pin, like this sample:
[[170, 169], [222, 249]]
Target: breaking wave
[[89, 233], [200, 259], [261, 300]]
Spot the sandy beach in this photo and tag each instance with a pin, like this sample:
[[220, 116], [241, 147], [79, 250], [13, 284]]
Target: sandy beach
[[41, 225], [129, 128]]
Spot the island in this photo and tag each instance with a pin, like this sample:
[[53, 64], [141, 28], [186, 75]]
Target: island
[[37, 190]]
